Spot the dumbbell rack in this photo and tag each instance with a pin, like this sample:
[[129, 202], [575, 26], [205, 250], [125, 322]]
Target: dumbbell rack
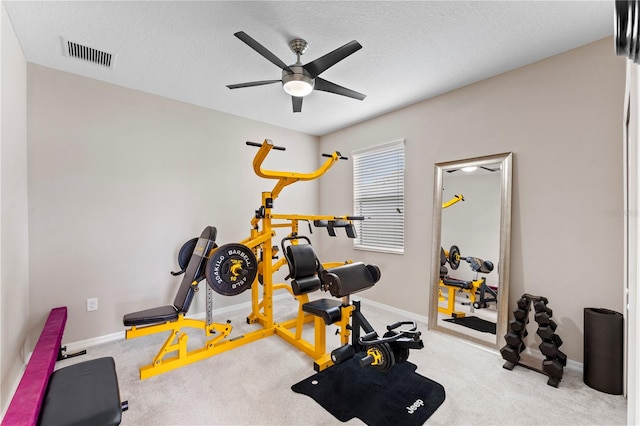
[[555, 360]]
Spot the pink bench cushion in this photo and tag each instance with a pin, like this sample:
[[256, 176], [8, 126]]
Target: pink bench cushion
[[26, 402]]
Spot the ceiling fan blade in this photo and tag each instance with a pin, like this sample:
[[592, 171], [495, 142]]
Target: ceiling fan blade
[[330, 59], [252, 83], [297, 103], [261, 50], [327, 86]]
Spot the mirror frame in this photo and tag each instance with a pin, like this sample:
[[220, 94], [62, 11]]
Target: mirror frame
[[506, 162]]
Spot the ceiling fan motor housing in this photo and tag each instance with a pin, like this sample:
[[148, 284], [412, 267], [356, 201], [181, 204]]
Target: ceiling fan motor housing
[[298, 82]]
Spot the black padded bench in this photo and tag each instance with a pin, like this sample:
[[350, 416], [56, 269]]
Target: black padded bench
[[85, 393]]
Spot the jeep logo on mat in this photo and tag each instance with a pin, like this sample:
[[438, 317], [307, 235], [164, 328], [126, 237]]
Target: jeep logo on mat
[[413, 407]]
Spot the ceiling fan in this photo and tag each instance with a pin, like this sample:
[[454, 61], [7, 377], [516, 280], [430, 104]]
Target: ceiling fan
[[299, 80]]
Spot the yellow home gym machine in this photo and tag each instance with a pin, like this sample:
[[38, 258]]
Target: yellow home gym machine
[[230, 269], [476, 288], [480, 294]]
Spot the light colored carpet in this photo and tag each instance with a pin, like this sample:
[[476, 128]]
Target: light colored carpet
[[251, 385]]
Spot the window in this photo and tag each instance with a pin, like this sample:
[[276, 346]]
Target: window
[[378, 195]]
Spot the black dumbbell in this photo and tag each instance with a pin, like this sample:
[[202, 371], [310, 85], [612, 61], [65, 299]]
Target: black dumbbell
[[523, 303], [510, 353], [515, 339], [552, 368], [547, 331], [517, 326], [552, 353], [557, 340], [520, 313], [561, 358], [540, 307], [550, 348], [542, 318]]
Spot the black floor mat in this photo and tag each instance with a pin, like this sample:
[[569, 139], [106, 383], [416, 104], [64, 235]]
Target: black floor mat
[[475, 323], [398, 397]]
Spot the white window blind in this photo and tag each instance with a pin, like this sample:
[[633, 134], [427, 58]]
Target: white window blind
[[378, 195]]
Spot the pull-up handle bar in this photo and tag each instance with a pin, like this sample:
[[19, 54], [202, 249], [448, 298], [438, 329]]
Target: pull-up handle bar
[[259, 145], [340, 156], [286, 178]]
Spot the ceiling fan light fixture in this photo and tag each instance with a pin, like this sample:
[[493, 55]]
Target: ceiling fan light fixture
[[298, 88], [469, 169], [298, 85]]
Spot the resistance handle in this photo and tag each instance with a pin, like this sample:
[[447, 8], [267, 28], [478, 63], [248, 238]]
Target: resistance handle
[[258, 145], [340, 156]]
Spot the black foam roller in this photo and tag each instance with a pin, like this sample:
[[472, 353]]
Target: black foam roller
[[603, 350]]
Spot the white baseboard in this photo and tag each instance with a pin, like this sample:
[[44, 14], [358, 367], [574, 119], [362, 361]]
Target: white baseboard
[[94, 341], [571, 364], [401, 312]]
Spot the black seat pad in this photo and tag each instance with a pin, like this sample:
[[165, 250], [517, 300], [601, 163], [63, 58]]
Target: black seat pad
[[328, 309], [83, 394], [457, 283], [153, 315]]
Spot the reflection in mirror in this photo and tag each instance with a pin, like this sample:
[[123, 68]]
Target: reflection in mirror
[[471, 229]]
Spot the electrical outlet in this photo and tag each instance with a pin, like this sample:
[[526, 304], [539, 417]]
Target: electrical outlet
[[92, 304]]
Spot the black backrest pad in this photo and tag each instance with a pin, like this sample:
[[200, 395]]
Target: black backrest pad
[[302, 261], [195, 269], [305, 285], [479, 265], [487, 266], [350, 278]]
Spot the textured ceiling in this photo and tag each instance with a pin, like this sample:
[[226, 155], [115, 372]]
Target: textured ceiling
[[411, 50]]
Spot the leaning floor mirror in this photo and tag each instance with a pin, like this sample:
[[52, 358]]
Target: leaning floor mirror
[[471, 246]]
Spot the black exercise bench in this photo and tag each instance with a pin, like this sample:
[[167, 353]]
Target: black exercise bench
[[85, 393]]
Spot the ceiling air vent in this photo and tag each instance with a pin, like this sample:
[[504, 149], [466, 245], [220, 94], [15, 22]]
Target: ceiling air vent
[[89, 54]]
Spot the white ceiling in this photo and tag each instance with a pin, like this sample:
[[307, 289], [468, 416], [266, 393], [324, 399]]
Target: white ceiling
[[411, 50]]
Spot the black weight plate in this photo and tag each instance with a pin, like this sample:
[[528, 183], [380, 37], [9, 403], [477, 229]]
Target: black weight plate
[[231, 269], [400, 354], [454, 257], [388, 358], [184, 255]]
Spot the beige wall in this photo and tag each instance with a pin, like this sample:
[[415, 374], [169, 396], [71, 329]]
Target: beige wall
[[119, 180], [561, 119], [14, 256]]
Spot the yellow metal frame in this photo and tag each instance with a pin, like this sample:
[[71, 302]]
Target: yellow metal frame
[[449, 309], [260, 241], [455, 199], [451, 291]]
